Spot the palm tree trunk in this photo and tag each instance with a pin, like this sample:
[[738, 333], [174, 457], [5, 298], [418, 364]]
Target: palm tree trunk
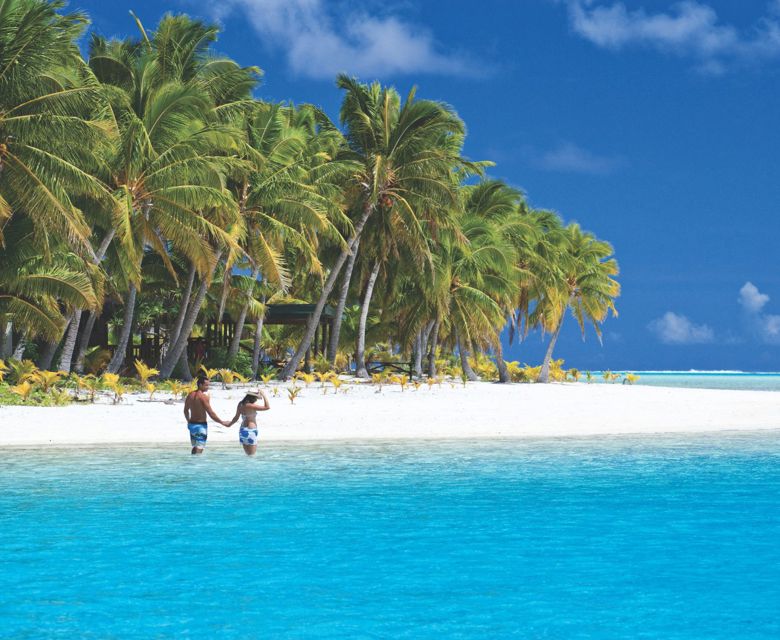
[[544, 375], [18, 353], [185, 301], [464, 360], [235, 343], [66, 358], [69, 346], [434, 343], [86, 335], [335, 332], [118, 358], [178, 347], [50, 349], [314, 320], [183, 367], [418, 354], [503, 372], [225, 291], [6, 339], [256, 346], [47, 354], [360, 354]]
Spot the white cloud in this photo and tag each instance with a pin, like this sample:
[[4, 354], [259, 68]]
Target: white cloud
[[568, 157], [673, 328], [751, 298], [689, 28], [321, 39], [764, 326]]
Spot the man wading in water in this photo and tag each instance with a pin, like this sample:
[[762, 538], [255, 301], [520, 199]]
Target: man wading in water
[[196, 406]]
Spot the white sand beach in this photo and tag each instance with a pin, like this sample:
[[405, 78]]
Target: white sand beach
[[481, 410]]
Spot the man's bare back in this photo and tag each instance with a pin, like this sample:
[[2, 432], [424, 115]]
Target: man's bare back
[[196, 407]]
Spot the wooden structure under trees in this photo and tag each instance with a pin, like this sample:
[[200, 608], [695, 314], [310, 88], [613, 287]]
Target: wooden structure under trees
[[220, 334]]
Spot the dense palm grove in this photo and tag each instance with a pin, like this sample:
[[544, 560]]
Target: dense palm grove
[[143, 177]]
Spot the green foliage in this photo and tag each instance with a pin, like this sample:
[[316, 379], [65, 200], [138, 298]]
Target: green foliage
[[218, 359]]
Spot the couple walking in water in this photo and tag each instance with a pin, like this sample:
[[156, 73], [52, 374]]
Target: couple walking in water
[[197, 406]]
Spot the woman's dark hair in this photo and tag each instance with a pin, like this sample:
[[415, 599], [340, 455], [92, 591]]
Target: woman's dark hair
[[249, 399]]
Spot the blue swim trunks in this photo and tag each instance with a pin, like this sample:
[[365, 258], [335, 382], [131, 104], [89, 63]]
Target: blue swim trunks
[[199, 432], [247, 436]]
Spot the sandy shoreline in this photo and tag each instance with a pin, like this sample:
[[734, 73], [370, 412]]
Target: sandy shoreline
[[481, 410]]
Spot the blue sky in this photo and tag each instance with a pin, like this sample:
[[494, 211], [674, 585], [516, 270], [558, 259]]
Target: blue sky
[[652, 123]]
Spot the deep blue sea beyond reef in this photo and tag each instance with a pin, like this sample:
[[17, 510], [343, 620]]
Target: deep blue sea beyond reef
[[653, 537]]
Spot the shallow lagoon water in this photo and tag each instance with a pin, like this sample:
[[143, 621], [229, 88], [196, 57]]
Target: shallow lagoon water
[[625, 537]]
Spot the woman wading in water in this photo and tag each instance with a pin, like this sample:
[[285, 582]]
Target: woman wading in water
[[247, 410]]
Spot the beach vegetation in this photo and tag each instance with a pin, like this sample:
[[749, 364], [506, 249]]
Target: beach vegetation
[[144, 372], [45, 380], [630, 378], [23, 390], [20, 370], [178, 389], [293, 392], [88, 383], [142, 181]]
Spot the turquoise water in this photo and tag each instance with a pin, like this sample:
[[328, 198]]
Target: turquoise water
[[706, 380], [664, 537]]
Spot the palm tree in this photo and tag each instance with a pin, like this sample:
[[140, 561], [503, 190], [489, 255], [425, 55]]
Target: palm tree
[[33, 287], [52, 132], [168, 166], [405, 152], [287, 198], [586, 286]]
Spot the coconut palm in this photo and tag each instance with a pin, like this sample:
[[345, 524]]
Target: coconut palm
[[169, 164], [585, 286], [406, 153]]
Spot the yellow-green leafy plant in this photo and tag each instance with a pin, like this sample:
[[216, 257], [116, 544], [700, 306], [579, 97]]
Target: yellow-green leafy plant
[[111, 382], [557, 372], [46, 379], [23, 390], [89, 384], [307, 378], [416, 384], [336, 382], [323, 377], [178, 389], [439, 380], [3, 370], [630, 378], [144, 372], [275, 391], [241, 378], [531, 374], [267, 378], [209, 373], [60, 397], [431, 382], [588, 376], [321, 364], [574, 374], [151, 388], [607, 375], [292, 393], [20, 370], [227, 376], [378, 379]]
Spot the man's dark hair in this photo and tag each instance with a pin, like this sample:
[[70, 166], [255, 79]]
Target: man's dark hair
[[201, 380]]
